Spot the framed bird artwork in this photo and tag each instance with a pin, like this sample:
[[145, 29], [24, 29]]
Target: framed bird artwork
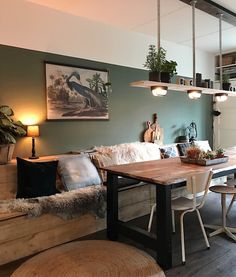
[[76, 92]]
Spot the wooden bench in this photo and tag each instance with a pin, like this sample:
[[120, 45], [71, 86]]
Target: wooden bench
[[21, 236]]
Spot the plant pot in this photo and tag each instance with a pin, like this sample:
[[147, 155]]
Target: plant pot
[[226, 86], [6, 152], [154, 76], [164, 77]]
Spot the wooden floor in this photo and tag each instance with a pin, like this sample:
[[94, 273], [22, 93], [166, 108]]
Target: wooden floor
[[219, 261]]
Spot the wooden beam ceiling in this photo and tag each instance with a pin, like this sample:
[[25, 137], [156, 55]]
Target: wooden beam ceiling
[[214, 9]]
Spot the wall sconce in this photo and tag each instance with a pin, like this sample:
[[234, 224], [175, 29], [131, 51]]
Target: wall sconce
[[33, 131], [159, 90], [194, 94], [221, 97]]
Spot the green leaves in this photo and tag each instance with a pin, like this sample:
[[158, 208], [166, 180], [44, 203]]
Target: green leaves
[[156, 61], [6, 110], [9, 129]]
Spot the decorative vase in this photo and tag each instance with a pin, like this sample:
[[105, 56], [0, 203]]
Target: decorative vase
[[6, 152], [164, 77]]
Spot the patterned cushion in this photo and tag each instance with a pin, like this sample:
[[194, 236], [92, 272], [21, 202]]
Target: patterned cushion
[[169, 152], [77, 171], [182, 147]]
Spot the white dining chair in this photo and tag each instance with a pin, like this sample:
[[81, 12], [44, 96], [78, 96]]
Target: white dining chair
[[175, 193], [196, 184]]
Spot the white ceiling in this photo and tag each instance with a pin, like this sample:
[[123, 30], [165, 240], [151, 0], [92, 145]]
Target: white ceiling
[[140, 16]]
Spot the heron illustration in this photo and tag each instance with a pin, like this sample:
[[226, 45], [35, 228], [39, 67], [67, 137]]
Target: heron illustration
[[93, 99]]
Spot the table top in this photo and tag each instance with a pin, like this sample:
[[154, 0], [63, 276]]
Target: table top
[[166, 171], [223, 189]]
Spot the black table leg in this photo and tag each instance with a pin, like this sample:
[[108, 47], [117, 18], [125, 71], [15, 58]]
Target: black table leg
[[164, 227], [112, 206]]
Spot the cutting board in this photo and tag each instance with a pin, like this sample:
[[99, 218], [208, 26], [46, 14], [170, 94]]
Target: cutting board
[[148, 133]]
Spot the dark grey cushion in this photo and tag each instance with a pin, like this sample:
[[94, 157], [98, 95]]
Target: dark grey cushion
[[182, 148], [36, 179]]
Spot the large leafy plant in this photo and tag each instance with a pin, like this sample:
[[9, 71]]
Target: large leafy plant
[[156, 61], [9, 129]]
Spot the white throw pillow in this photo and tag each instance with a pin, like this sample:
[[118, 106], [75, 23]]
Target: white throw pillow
[[203, 145], [78, 171]]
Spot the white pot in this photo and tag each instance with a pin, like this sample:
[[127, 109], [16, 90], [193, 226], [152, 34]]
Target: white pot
[[6, 152]]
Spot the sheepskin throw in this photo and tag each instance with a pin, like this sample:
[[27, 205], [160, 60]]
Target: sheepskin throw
[[124, 153], [66, 205]]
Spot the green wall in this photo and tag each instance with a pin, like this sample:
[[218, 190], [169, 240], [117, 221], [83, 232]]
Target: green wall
[[22, 86]]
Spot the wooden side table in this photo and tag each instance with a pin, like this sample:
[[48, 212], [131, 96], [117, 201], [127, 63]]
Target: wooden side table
[[223, 190], [90, 258]]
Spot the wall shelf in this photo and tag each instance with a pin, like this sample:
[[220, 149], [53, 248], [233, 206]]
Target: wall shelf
[[228, 65], [176, 87]]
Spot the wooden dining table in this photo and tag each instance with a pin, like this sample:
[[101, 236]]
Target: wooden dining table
[[164, 174]]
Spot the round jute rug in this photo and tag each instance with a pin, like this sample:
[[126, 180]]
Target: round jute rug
[[91, 258]]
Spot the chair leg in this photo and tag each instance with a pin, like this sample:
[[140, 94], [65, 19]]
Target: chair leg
[[182, 237], [173, 220], [151, 217], [203, 230], [231, 204]]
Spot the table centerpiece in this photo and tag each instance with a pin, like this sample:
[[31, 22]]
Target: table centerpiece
[[195, 155]]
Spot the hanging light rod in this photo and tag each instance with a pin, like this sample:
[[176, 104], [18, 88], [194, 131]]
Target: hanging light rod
[[176, 87], [214, 9]]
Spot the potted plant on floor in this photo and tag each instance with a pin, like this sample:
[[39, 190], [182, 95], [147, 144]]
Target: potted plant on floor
[[225, 82], [160, 69], [9, 131]]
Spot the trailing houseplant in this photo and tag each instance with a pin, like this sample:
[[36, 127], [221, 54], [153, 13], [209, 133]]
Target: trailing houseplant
[[160, 68], [9, 131]]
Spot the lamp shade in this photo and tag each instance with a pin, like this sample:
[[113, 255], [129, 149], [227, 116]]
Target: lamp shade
[[32, 131]]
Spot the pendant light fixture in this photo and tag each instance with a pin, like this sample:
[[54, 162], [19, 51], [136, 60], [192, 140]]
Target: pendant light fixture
[[194, 93], [159, 90], [220, 97]]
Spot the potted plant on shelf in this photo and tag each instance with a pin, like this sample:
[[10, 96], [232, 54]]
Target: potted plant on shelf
[[9, 131], [160, 69], [225, 82]]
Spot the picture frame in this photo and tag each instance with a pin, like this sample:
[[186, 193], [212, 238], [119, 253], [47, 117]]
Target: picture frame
[[76, 92]]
